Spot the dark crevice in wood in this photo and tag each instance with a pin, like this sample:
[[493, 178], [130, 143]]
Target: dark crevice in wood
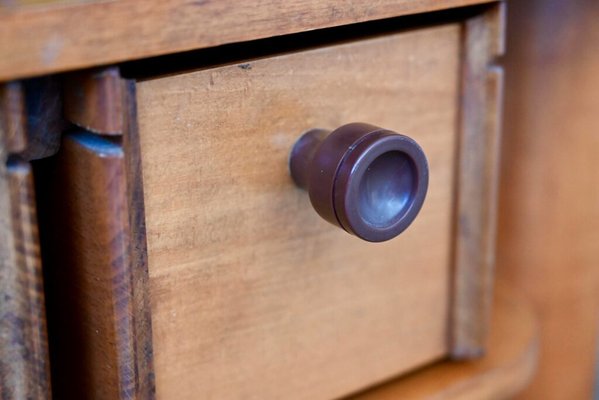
[[261, 48], [13, 159], [45, 123], [45, 175], [31, 116]]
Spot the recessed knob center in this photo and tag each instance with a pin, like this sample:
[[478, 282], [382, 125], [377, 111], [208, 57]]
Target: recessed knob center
[[387, 188]]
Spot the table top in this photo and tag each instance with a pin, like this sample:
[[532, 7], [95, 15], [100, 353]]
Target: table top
[[39, 37]]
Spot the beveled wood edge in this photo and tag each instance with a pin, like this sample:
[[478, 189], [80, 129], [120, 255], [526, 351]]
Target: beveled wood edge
[[477, 177], [140, 302], [508, 366], [24, 358], [61, 37], [93, 100]]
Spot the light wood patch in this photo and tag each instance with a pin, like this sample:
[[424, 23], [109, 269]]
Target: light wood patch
[[504, 371]]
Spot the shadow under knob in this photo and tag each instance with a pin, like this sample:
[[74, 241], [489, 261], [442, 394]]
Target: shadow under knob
[[369, 181]]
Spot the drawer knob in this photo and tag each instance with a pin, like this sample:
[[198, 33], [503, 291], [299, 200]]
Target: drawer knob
[[369, 181]]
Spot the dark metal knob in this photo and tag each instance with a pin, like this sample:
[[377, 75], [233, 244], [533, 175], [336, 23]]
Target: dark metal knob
[[367, 180]]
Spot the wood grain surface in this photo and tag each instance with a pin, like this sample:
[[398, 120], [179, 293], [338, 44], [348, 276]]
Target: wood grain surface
[[253, 294], [24, 366], [478, 171], [508, 366], [56, 36], [549, 207], [86, 249], [24, 363]]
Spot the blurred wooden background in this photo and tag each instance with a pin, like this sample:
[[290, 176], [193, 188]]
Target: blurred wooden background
[[549, 204]]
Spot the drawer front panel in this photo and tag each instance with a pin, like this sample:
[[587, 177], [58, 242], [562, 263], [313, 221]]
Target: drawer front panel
[[253, 295]]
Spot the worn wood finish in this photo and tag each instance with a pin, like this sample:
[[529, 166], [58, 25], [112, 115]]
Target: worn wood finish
[[93, 100], [477, 183], [24, 368], [549, 201], [57, 37], [508, 365], [253, 294], [87, 254]]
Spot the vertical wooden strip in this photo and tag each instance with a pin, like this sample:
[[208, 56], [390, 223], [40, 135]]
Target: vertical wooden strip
[[24, 363], [145, 388], [29, 261], [477, 183], [24, 367], [95, 246], [88, 262]]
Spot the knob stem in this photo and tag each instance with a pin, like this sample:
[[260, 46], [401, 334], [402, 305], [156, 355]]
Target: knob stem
[[302, 155]]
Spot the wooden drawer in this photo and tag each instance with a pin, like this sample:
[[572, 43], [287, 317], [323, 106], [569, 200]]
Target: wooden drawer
[[191, 264], [253, 295]]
